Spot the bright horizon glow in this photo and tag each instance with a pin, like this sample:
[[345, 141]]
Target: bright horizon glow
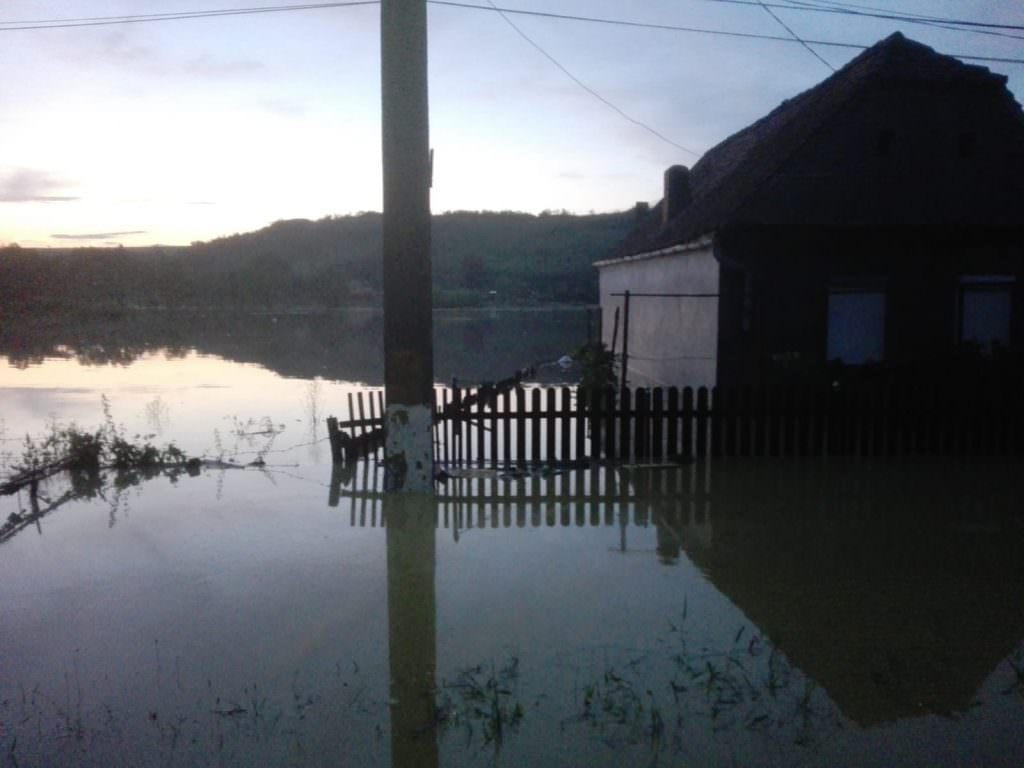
[[179, 131]]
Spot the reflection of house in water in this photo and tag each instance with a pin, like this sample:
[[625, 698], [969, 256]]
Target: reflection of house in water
[[896, 593], [676, 502]]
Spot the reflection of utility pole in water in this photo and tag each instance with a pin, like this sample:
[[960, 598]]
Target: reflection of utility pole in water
[[408, 328], [412, 628]]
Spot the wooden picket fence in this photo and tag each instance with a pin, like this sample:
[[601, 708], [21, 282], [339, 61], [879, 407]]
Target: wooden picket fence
[[564, 426]]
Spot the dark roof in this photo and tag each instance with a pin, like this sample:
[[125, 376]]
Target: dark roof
[[729, 185]]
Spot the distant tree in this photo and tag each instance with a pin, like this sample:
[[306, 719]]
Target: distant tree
[[476, 273]]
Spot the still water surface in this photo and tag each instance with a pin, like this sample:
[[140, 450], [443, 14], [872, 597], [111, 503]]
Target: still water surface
[[745, 613]]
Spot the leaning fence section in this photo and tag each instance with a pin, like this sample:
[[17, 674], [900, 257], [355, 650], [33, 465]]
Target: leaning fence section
[[566, 426]]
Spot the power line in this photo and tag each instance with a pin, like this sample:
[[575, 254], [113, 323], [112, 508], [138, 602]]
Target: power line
[[912, 18], [847, 9], [99, 21], [696, 30], [796, 37], [13, 26], [837, 4], [587, 88]]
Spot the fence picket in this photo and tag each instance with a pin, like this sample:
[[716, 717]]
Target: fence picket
[[657, 418], [535, 423], [595, 421], [560, 424], [642, 421], [565, 423], [672, 416], [549, 424], [624, 427], [609, 424], [492, 403], [520, 413], [702, 423], [688, 411]]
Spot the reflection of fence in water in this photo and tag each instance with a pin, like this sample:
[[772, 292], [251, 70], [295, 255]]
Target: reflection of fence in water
[[590, 497], [559, 425]]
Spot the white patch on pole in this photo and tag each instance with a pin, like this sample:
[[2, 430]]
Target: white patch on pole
[[409, 448]]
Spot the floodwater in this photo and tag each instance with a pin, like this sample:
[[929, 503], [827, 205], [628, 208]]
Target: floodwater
[[775, 612]]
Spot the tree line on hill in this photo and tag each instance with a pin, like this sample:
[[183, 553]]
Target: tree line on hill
[[478, 257]]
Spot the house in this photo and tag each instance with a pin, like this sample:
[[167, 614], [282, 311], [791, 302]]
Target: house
[[876, 218]]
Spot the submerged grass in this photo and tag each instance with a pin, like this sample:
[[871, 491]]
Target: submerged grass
[[658, 698], [484, 699]]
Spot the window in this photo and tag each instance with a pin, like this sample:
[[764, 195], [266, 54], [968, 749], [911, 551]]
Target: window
[[856, 321], [984, 309]]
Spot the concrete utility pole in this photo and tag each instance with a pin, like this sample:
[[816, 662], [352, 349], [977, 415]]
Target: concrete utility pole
[[408, 325]]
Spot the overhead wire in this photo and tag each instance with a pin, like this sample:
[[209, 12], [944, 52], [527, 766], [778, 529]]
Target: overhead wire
[[852, 10], [913, 18], [137, 18], [590, 90], [12, 26], [695, 30], [796, 37]]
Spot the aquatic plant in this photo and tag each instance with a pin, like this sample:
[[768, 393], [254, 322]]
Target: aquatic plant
[[482, 697], [652, 698]]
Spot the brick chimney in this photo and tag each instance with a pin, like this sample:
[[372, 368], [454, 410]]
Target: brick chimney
[[677, 192]]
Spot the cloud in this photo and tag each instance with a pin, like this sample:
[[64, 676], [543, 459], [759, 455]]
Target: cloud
[[283, 107], [120, 48], [199, 202], [25, 185], [207, 66], [99, 235]]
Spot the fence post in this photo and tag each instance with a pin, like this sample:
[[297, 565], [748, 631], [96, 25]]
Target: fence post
[[520, 413], [717, 419], [673, 423], [478, 424], [595, 400], [702, 423], [549, 424], [493, 420], [535, 422], [643, 420], [657, 433], [335, 439], [564, 421], [688, 425], [625, 418], [609, 428]]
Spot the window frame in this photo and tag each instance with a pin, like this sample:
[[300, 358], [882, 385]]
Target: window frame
[[866, 285], [983, 283]]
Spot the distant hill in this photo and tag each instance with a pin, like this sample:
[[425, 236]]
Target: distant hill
[[523, 258]]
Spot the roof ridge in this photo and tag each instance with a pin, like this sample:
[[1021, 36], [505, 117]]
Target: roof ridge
[[725, 178]]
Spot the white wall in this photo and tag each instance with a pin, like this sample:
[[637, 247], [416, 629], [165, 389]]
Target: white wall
[[672, 341]]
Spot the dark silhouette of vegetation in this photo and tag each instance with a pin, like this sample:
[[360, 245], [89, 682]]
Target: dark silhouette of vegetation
[[85, 452], [333, 262], [599, 366]]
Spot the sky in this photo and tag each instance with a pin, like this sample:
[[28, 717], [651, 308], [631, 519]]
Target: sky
[[177, 131]]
